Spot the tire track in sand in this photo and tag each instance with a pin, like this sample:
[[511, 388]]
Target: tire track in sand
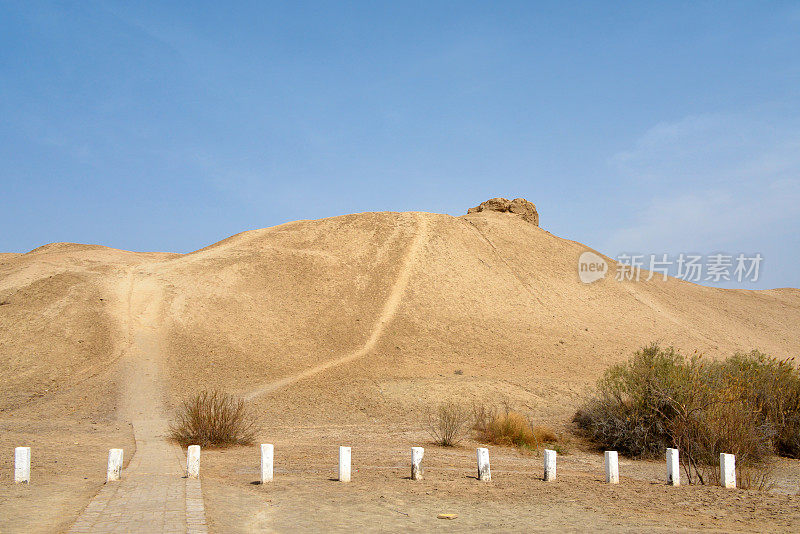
[[388, 312]]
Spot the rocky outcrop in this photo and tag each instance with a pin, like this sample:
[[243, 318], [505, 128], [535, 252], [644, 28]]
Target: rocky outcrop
[[518, 206]]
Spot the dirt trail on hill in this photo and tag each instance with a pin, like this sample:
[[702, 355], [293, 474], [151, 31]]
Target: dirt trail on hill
[[152, 496], [389, 309], [364, 316], [372, 319], [144, 391]]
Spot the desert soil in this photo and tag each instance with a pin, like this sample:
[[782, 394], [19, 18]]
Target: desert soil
[[343, 331], [306, 497]]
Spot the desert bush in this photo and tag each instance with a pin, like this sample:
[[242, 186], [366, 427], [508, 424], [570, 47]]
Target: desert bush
[[213, 418], [772, 388], [747, 405], [482, 415], [756, 477], [508, 427], [447, 424], [628, 411]]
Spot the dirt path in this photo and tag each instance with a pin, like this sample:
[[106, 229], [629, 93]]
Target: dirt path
[[153, 496], [385, 317]]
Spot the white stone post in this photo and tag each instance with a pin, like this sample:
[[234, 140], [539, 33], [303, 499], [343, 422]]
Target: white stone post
[[727, 470], [484, 471], [612, 467], [193, 461], [267, 455], [673, 468], [344, 464], [114, 465], [22, 465], [416, 462], [549, 465]]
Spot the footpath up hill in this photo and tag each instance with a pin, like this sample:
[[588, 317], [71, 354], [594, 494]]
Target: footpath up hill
[[360, 318]]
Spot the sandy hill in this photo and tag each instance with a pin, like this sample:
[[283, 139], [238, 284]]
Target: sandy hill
[[359, 317]]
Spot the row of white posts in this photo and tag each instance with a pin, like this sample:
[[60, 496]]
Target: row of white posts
[[727, 465]]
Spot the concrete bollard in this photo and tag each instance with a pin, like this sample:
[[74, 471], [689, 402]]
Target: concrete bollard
[[484, 471], [612, 467], [549, 465], [673, 468], [114, 465], [727, 470], [416, 462], [193, 461], [344, 464], [267, 456], [22, 465]]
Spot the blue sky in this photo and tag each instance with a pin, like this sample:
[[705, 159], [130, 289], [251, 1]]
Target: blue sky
[[633, 126]]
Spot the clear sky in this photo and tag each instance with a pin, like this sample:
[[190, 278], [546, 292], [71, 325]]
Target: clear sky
[[639, 127]]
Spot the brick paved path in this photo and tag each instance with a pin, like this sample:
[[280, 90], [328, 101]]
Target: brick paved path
[[152, 496]]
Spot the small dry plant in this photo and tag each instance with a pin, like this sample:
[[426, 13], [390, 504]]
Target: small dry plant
[[759, 477], [216, 419], [447, 424], [753, 476], [508, 427]]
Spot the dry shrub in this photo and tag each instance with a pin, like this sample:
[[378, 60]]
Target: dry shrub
[[482, 416], [216, 419], [545, 434], [747, 405], [771, 387], [625, 413], [758, 477], [508, 427], [447, 424]]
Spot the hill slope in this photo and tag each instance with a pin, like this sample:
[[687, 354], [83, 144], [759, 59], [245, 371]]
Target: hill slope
[[361, 317]]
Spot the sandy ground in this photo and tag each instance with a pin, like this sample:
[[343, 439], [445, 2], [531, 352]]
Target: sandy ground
[[342, 331], [68, 467], [305, 497]]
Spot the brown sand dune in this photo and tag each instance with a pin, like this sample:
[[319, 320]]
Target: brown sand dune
[[361, 319], [375, 310]]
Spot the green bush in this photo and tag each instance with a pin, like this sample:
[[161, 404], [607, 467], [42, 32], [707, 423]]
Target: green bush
[[748, 405], [771, 387], [629, 412]]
